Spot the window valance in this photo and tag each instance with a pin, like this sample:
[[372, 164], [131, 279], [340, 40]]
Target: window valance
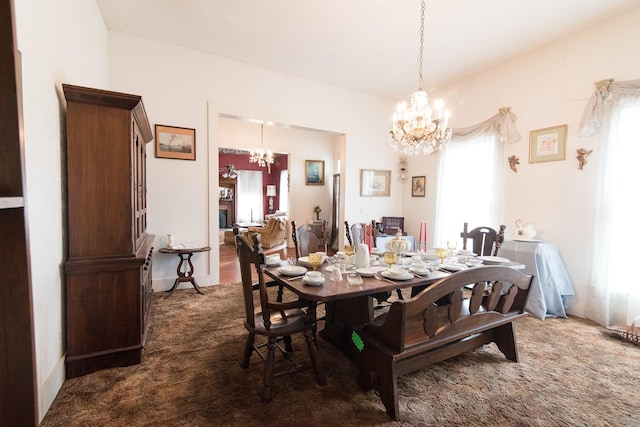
[[502, 125], [608, 93]]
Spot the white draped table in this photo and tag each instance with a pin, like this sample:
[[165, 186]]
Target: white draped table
[[551, 284]]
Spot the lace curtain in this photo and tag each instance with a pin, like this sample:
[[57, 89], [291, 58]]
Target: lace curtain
[[474, 151], [502, 126], [611, 117]]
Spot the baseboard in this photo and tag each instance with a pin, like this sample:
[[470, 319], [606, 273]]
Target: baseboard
[[49, 389]]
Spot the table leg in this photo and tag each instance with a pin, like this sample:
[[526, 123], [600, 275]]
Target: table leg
[[185, 276]]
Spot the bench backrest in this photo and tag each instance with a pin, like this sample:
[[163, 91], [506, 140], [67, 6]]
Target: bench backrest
[[457, 306]]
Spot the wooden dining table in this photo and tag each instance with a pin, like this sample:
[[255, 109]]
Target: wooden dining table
[[348, 308]]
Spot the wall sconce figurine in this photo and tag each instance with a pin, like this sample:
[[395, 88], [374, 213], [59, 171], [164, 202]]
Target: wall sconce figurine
[[402, 170], [583, 153], [513, 161]]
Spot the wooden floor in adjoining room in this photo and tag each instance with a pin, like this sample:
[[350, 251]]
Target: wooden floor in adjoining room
[[229, 267]]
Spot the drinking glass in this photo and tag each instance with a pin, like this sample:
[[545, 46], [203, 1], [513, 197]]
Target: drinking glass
[[390, 258], [442, 253], [315, 259], [452, 245]]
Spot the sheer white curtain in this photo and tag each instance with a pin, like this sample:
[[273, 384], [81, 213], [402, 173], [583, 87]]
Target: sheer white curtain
[[249, 196], [613, 115], [469, 187], [284, 191]]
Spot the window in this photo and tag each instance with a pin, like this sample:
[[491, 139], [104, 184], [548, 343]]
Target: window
[[249, 196], [469, 163], [614, 296]]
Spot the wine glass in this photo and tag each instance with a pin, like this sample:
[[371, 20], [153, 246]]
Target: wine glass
[[349, 250], [390, 258], [315, 259], [452, 245], [442, 253]]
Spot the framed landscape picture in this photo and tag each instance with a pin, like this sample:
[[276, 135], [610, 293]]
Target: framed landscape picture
[[315, 172], [375, 182], [418, 185], [548, 144], [175, 142]]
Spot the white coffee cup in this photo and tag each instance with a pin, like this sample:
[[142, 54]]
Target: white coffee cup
[[314, 275]]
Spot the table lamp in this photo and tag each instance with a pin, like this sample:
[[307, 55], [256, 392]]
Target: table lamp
[[271, 193]]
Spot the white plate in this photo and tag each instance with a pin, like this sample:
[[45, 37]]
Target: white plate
[[305, 260], [377, 251], [292, 270], [366, 272], [275, 262], [420, 271], [310, 282], [527, 240], [493, 259], [405, 276], [454, 267], [412, 253], [466, 253]]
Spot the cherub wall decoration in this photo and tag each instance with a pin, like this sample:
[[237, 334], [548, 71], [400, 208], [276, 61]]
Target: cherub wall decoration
[[513, 161], [583, 153]]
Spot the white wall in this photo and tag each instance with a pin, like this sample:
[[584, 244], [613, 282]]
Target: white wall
[[191, 89], [62, 41], [546, 88]]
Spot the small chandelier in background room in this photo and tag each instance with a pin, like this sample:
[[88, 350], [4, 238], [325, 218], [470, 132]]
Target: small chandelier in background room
[[230, 172], [261, 156], [419, 129]]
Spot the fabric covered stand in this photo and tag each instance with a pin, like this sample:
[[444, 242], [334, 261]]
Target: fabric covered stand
[[551, 284]]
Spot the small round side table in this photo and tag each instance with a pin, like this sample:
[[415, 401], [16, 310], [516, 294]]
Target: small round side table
[[185, 254]]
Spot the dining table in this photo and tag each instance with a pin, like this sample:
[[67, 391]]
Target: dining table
[[349, 307]]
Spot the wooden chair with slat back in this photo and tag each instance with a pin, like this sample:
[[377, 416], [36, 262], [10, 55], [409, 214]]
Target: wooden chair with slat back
[[307, 240], [273, 320], [485, 240], [236, 232]]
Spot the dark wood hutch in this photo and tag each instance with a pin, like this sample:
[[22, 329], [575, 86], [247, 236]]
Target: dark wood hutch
[[108, 271]]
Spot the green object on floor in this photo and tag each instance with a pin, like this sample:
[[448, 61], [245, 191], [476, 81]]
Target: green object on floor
[[357, 340]]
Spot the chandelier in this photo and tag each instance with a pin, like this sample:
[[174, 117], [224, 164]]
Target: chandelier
[[261, 156], [230, 172], [419, 129]]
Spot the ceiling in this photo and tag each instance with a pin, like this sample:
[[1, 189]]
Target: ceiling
[[367, 45]]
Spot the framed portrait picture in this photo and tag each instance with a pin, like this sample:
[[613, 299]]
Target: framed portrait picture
[[175, 142], [548, 144], [315, 172], [418, 186], [375, 182]]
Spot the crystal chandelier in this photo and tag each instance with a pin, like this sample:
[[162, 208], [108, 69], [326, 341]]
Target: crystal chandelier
[[230, 172], [261, 156], [419, 129]]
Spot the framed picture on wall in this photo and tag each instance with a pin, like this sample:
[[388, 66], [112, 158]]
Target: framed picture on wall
[[418, 185], [315, 172], [375, 183], [175, 142], [548, 144]]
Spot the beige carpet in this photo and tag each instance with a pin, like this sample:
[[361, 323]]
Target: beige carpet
[[571, 373]]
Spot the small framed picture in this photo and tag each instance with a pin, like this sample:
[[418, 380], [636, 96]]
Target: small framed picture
[[418, 184], [548, 144], [375, 182], [175, 142], [315, 172]]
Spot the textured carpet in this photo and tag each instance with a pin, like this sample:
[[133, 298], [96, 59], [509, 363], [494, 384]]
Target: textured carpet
[[571, 373]]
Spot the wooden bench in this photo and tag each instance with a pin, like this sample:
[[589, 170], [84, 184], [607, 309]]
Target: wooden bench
[[456, 314]]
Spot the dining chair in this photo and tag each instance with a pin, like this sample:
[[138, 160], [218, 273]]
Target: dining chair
[[486, 241], [307, 239], [271, 283], [273, 320]]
